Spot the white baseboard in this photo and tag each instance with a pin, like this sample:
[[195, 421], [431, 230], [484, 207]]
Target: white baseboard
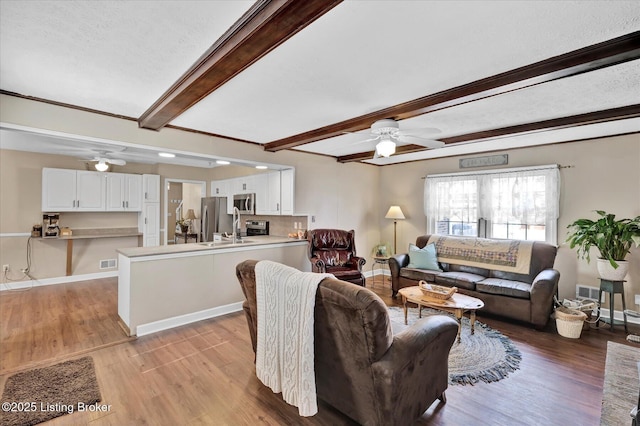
[[22, 285], [369, 274], [165, 324], [618, 316]]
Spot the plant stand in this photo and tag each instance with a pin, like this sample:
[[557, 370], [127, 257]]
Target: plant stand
[[613, 287]]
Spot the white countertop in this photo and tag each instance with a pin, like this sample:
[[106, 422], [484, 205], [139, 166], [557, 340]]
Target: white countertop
[[253, 241]]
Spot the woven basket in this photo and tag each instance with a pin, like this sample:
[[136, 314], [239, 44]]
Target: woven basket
[[434, 291], [569, 322]]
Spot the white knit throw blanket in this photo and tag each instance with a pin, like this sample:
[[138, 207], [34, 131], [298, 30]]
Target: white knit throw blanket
[[286, 300]]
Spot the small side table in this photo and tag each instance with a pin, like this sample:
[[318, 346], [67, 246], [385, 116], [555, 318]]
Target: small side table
[[186, 236], [613, 287], [381, 261]]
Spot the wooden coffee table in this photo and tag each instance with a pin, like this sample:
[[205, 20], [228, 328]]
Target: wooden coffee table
[[458, 304]]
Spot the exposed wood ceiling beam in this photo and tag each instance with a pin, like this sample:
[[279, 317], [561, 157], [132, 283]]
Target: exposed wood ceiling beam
[[613, 114], [590, 58], [264, 27]]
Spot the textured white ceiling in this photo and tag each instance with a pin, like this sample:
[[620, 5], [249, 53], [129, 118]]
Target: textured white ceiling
[[112, 56], [362, 56], [606, 88]]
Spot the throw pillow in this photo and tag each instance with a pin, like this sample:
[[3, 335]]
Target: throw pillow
[[423, 258]]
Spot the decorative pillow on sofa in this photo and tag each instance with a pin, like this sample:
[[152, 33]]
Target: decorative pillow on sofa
[[423, 258]]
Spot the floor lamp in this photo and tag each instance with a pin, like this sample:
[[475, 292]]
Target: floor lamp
[[395, 213]]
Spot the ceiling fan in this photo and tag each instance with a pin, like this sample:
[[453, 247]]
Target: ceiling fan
[[102, 162], [387, 132]]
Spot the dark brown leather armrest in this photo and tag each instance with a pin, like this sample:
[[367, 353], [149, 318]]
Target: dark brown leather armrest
[[359, 261], [318, 265], [543, 288]]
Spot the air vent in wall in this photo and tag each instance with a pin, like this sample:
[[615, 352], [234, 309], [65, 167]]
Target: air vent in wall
[[587, 292], [108, 264]]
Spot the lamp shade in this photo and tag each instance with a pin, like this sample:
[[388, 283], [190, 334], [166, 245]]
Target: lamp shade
[[386, 148], [395, 212], [190, 214]]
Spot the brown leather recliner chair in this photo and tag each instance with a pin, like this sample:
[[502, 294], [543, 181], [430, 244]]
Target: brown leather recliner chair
[[333, 251], [362, 368]]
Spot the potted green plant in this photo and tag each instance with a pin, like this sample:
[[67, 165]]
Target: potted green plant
[[613, 239]]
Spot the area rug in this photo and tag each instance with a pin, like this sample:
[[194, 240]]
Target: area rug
[[486, 356], [621, 384], [41, 394]]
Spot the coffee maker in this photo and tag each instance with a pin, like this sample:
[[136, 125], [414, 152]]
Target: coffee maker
[[50, 228]]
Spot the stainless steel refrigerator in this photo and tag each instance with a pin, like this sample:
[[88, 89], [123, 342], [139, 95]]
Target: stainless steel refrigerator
[[215, 218]]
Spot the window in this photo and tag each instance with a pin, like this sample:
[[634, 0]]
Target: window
[[520, 203]]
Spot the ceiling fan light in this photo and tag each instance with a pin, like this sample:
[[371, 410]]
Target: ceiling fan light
[[101, 166], [386, 148]]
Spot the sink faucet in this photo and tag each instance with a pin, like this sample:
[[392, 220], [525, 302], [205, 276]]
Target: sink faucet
[[236, 225]]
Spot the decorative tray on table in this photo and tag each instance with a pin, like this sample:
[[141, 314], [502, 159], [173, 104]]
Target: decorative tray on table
[[434, 291]]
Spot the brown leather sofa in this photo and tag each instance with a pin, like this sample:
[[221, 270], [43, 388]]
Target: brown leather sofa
[[333, 251], [527, 298], [362, 368]]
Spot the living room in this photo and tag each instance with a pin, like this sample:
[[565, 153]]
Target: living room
[[598, 171]]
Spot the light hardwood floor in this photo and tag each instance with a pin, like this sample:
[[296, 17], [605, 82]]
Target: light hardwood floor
[[203, 373]]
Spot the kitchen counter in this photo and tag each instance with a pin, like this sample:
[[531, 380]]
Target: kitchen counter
[[169, 286], [79, 234], [253, 241], [93, 233]]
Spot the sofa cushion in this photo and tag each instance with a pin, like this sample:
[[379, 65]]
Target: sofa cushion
[[504, 288], [418, 274], [423, 258], [459, 279]]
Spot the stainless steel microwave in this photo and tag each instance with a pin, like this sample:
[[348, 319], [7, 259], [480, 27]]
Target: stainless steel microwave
[[245, 203]]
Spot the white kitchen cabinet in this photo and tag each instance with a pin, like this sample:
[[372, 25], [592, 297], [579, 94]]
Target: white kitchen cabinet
[[149, 218], [268, 193], [149, 224], [244, 184], [287, 191], [124, 192], [72, 190], [151, 188], [220, 188]]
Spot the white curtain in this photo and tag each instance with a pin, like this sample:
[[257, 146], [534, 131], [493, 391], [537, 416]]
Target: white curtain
[[527, 195]]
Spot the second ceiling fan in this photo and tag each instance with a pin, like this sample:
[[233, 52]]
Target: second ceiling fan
[[388, 134]]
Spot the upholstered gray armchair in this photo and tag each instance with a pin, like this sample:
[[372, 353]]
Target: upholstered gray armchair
[[362, 368]]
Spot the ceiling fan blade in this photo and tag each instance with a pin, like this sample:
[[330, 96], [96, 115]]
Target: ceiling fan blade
[[367, 140], [427, 143], [419, 131], [115, 161]]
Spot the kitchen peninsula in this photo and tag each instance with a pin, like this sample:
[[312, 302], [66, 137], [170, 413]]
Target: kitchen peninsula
[[169, 286]]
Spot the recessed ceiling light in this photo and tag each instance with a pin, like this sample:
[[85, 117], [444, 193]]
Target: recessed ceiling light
[[223, 162], [261, 167], [166, 154]]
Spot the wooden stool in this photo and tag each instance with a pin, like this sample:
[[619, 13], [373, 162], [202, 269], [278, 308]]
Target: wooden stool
[[613, 287]]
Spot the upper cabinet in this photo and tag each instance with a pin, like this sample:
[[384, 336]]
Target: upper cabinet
[[124, 192], [72, 190], [268, 193], [244, 184], [220, 188], [274, 191], [66, 190], [151, 188], [287, 190]]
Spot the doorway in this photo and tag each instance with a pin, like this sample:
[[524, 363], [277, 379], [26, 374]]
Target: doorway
[[180, 196]]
